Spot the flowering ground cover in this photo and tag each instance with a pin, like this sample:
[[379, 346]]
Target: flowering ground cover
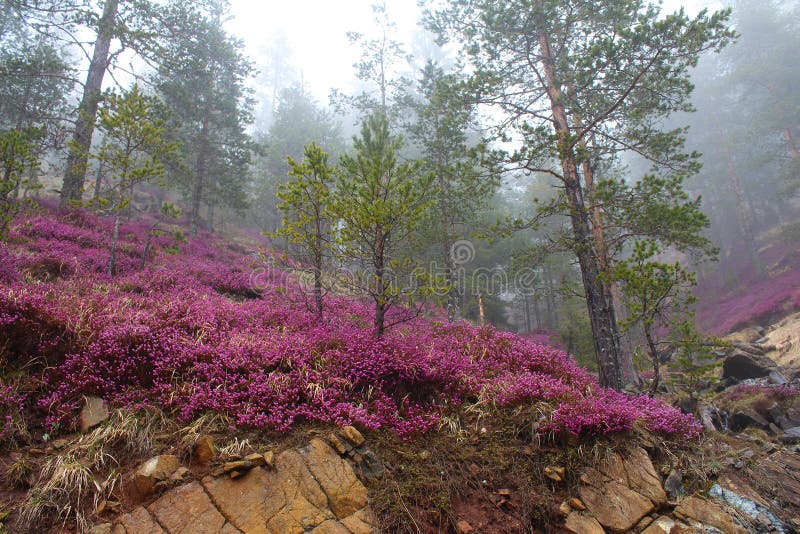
[[189, 333], [737, 296]]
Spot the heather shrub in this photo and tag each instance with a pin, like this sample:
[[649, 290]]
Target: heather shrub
[[184, 336]]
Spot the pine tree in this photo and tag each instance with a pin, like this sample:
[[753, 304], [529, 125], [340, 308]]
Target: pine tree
[[305, 203], [134, 151], [580, 79], [379, 203]]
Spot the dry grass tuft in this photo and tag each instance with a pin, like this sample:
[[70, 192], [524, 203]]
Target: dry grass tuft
[[72, 484]]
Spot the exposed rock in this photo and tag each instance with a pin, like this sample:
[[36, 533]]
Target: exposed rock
[[341, 446], [777, 378], [622, 490], [94, 412], [694, 509], [642, 476], [138, 521], [791, 436], [269, 459], [346, 494], [662, 525], [257, 459], [204, 450], [187, 510], [556, 474], [154, 471], [576, 504], [331, 527], [361, 522], [674, 484], [613, 504], [104, 528], [462, 527], [741, 365], [583, 524], [352, 435], [745, 418], [179, 473], [242, 501]]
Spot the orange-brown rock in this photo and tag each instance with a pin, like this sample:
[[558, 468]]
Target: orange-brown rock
[[187, 510], [138, 521], [154, 471], [346, 494], [583, 524], [694, 509]]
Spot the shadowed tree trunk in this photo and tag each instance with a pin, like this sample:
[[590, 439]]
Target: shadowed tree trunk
[[601, 311], [75, 172]]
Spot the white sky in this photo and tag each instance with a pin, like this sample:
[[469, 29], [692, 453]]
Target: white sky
[[315, 31]]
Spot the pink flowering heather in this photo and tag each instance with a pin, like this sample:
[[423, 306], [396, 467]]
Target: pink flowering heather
[[190, 333]]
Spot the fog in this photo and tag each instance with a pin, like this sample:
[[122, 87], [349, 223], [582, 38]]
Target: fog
[[696, 158]]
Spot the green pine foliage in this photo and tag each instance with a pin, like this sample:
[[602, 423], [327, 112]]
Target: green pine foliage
[[305, 203], [379, 203]]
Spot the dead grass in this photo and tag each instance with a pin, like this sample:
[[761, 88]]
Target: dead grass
[[71, 484]]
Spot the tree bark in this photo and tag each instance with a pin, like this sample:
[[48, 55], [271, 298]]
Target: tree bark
[[75, 172], [200, 177], [601, 312], [112, 260]]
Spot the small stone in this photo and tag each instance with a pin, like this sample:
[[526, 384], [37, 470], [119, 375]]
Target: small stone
[[564, 508], [235, 474], [505, 492], [352, 435], [738, 464], [746, 453], [577, 504], [341, 446], [269, 459], [775, 377], [238, 465], [257, 459], [153, 471], [555, 474], [462, 527], [94, 412], [204, 450]]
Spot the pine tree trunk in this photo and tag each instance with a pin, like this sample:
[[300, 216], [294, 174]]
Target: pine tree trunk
[[75, 172], [200, 177], [601, 312], [112, 260]]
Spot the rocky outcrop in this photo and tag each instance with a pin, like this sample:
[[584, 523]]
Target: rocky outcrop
[[621, 491], [624, 493], [700, 512], [741, 365], [312, 489]]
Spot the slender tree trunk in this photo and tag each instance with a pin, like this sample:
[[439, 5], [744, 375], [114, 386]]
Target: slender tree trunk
[[601, 312], [380, 284], [112, 260], [98, 180], [75, 172], [200, 177], [318, 267], [654, 357], [527, 311], [481, 310]]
